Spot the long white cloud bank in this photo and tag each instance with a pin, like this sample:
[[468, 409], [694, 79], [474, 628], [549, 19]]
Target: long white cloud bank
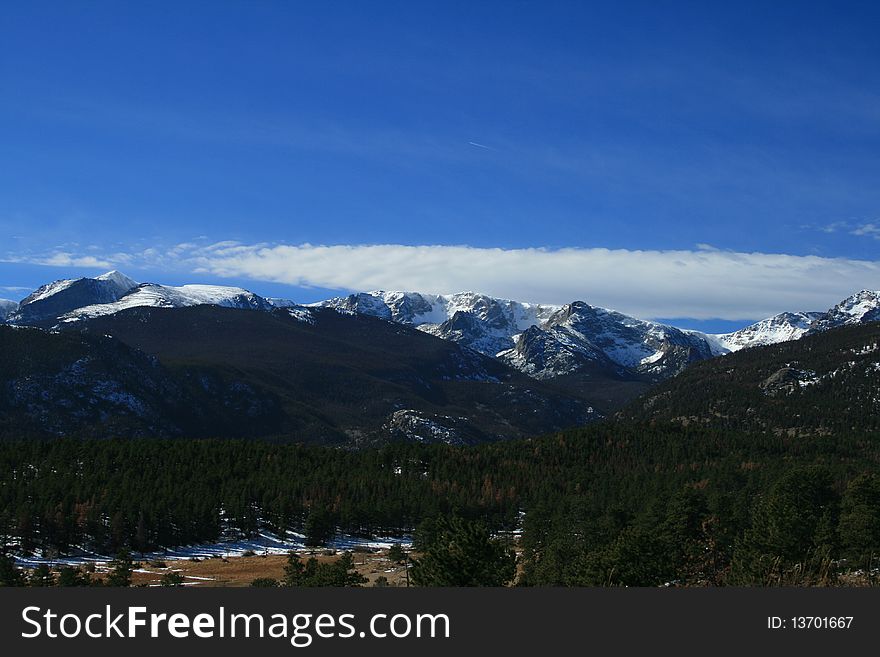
[[704, 283], [700, 284]]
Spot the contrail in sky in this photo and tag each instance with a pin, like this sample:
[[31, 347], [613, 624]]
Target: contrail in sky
[[488, 148]]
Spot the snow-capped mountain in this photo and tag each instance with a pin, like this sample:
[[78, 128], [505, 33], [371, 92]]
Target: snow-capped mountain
[[779, 328], [580, 338], [55, 299], [165, 296], [859, 308], [548, 341], [544, 341], [7, 307], [71, 300], [483, 323]]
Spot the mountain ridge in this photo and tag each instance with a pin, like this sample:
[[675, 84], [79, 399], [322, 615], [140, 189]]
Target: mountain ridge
[[827, 382], [542, 340]]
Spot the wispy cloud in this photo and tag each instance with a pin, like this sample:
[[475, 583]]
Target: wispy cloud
[[868, 230], [859, 229], [63, 259], [702, 283], [834, 227]]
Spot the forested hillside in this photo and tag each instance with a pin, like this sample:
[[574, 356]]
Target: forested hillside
[[612, 504], [825, 383], [755, 468]]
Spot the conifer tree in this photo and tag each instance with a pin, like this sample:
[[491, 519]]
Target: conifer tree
[[265, 582], [459, 552], [121, 570], [171, 579], [312, 573], [860, 521], [70, 576], [396, 553], [319, 527], [792, 527], [42, 576], [9, 574]]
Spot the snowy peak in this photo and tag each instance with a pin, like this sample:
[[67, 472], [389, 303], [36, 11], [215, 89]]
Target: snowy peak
[[544, 341], [859, 308], [579, 338], [541, 340], [546, 353], [478, 321], [50, 289], [122, 282], [779, 328], [111, 283], [59, 297], [165, 296], [71, 300]]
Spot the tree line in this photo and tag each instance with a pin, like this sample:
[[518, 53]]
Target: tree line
[[612, 504]]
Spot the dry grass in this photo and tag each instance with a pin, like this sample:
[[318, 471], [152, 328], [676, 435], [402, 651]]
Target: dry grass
[[241, 571]]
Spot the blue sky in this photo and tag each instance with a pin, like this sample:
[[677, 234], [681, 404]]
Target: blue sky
[[140, 137]]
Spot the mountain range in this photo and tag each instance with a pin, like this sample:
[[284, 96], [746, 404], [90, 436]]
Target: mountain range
[[548, 341], [486, 367]]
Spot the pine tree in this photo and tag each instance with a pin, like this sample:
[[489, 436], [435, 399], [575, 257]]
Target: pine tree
[[792, 532], [171, 579], [121, 570], [312, 573], [860, 521], [9, 574], [265, 582], [459, 552], [396, 553], [69, 576], [42, 575], [319, 528]]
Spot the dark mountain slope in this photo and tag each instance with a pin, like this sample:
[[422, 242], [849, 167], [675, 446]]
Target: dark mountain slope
[[91, 385], [825, 383], [349, 379]]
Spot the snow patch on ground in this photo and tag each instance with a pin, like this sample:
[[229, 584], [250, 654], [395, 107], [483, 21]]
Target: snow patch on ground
[[263, 543]]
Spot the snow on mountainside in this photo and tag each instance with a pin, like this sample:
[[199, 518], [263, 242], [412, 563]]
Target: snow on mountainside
[[483, 323], [71, 300], [859, 308], [121, 282], [111, 283], [779, 328], [165, 296], [7, 307], [48, 290], [544, 341], [282, 303], [53, 300], [548, 341], [580, 338]]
